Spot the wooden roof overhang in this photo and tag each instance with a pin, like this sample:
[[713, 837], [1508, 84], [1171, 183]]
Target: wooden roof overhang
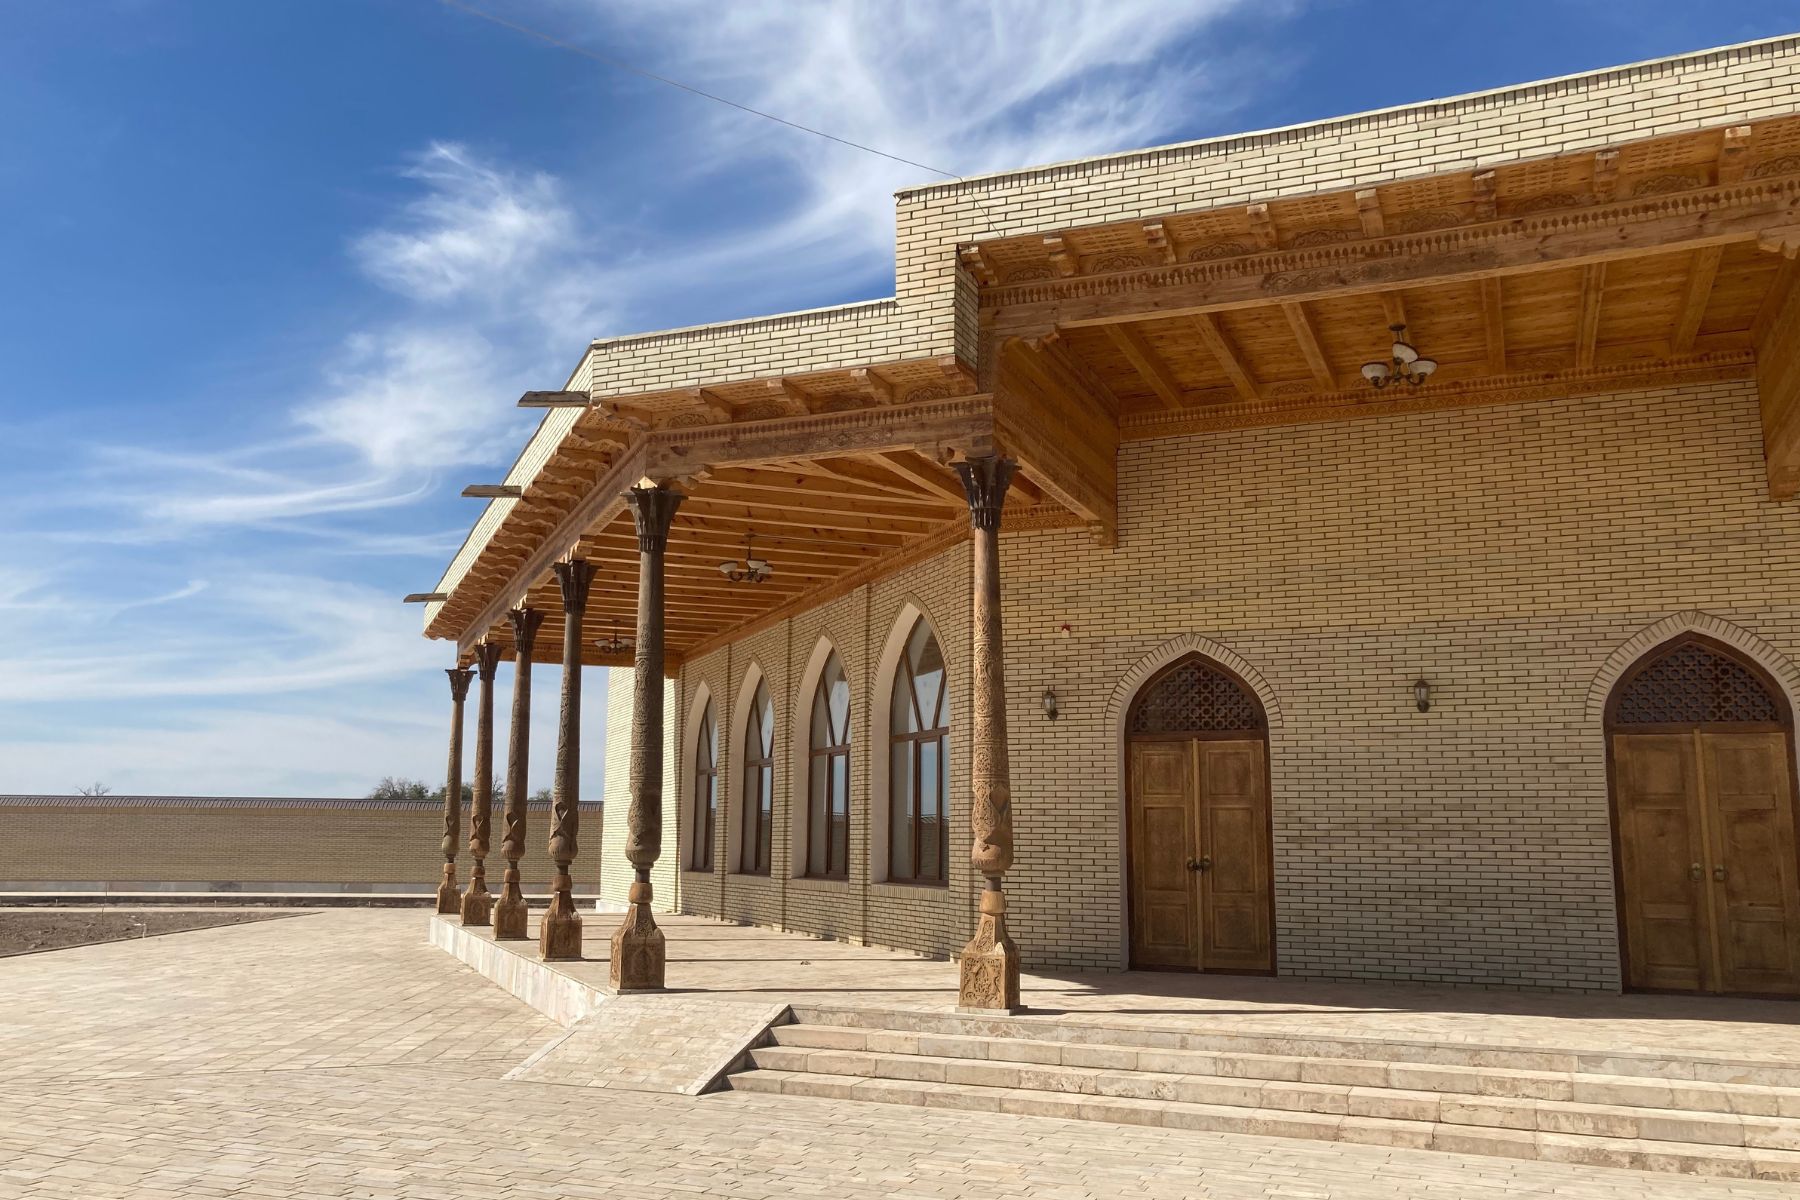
[[1640, 265], [840, 476]]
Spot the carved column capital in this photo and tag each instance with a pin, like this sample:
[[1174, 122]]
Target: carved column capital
[[653, 508], [487, 659], [985, 480], [459, 682], [576, 576], [525, 623]]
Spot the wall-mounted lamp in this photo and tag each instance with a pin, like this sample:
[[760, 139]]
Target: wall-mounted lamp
[[1050, 703], [1422, 693]]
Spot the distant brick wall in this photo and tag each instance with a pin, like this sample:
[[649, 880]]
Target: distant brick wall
[[253, 842]]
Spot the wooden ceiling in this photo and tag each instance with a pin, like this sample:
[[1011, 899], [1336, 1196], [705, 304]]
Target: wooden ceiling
[[1635, 266]]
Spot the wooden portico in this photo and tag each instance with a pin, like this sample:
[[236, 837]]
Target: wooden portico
[[1644, 264]]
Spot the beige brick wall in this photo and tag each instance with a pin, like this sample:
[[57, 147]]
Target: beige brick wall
[[1503, 553], [332, 843]]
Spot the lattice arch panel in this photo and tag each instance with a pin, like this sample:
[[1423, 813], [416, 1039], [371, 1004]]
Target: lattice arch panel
[[1695, 682], [1196, 696]]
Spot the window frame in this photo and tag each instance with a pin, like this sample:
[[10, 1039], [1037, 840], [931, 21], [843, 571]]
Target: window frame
[[818, 817], [905, 686], [706, 742], [756, 851]]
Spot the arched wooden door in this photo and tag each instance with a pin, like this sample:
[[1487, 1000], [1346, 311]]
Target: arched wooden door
[[1198, 823], [1703, 806]]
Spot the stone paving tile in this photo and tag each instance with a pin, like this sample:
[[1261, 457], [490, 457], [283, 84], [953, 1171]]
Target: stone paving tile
[[339, 1057]]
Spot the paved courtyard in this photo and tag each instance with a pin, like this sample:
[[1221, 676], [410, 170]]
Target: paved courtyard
[[337, 1054]]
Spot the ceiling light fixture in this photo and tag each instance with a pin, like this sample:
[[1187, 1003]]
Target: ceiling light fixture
[[613, 643], [1405, 364], [751, 570]]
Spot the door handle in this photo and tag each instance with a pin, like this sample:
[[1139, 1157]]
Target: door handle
[[1695, 873], [1199, 864], [1719, 873]]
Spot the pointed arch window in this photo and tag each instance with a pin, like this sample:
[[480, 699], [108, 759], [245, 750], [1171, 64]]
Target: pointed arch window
[[706, 791], [759, 783], [828, 776], [919, 763]]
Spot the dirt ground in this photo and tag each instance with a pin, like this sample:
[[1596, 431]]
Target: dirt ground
[[25, 930]]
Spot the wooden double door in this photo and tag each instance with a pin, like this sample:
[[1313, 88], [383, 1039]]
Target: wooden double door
[[1199, 855], [1709, 899]]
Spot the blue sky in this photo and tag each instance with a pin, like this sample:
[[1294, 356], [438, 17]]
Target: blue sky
[[273, 271]]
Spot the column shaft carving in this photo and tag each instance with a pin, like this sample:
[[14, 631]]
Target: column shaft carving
[[990, 962], [560, 935], [638, 954], [509, 913], [477, 904], [448, 900]]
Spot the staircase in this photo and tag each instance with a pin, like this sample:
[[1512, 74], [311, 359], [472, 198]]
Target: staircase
[[1648, 1112]]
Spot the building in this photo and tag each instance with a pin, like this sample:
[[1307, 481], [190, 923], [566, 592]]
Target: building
[[1486, 676]]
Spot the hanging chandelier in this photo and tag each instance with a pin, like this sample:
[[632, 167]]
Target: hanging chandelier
[[1405, 363], [751, 570], [613, 643]]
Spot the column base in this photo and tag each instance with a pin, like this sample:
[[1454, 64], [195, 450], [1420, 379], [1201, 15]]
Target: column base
[[559, 934], [509, 912], [639, 950], [477, 904], [989, 970], [449, 899]]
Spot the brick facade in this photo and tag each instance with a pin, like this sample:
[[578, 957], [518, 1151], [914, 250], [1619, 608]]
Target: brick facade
[[1506, 554]]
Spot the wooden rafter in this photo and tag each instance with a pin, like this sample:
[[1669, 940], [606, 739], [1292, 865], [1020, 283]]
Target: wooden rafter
[[1756, 210], [1213, 337], [1144, 361], [1262, 226], [1368, 211], [1066, 442], [1587, 328], [1734, 153], [1493, 325], [1701, 272], [1301, 323]]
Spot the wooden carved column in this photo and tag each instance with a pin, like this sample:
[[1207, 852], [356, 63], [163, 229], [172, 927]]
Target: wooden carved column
[[560, 935], [637, 945], [509, 913], [990, 962], [448, 901], [477, 904]]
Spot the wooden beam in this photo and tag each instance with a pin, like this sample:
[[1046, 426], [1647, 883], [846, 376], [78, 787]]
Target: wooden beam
[[493, 491], [1606, 175], [975, 261], [939, 481], [1144, 361], [881, 391], [1587, 330], [785, 391], [937, 426], [1157, 237], [1734, 153], [1206, 325], [1061, 257], [1487, 205], [555, 400], [1262, 226], [1393, 308], [1368, 211], [1778, 395], [1308, 338], [1493, 324], [1065, 442], [1766, 210], [425, 597], [1694, 297]]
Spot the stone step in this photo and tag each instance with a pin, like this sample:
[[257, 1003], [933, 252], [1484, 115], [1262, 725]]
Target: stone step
[[1349, 1073], [1620, 1064], [1737, 1162], [1598, 1120]]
